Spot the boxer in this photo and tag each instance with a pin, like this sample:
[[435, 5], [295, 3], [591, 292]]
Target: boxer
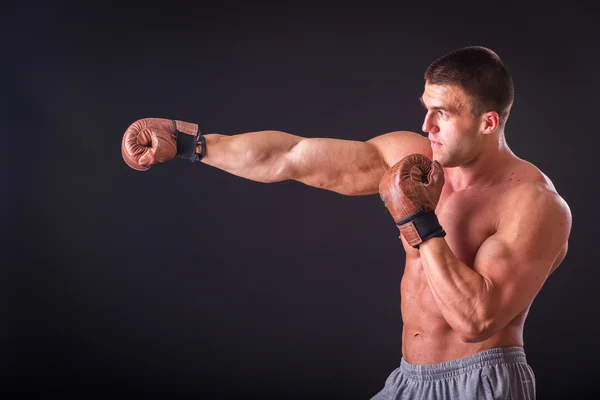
[[482, 228]]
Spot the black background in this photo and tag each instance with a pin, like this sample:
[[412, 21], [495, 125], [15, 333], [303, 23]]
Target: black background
[[187, 281]]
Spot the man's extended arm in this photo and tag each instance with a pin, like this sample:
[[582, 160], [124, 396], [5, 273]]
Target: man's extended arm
[[343, 166], [509, 269]]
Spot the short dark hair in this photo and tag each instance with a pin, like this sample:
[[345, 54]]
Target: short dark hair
[[481, 73]]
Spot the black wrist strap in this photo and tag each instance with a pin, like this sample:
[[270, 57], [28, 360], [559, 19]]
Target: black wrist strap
[[186, 145], [426, 223]]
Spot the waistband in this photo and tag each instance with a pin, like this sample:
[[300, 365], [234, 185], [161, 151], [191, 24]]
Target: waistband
[[496, 356]]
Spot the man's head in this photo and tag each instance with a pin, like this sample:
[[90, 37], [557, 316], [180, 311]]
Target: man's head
[[468, 95]]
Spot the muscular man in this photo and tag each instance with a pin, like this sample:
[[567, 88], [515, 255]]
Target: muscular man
[[482, 228]]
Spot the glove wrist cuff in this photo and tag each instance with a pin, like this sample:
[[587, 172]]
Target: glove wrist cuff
[[188, 136], [419, 227]]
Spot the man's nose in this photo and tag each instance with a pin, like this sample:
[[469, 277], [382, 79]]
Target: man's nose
[[429, 125]]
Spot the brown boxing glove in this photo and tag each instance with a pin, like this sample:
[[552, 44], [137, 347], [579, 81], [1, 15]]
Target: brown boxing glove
[[410, 190], [152, 140]]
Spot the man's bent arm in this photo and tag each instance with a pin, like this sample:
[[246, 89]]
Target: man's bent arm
[[343, 166], [509, 269]]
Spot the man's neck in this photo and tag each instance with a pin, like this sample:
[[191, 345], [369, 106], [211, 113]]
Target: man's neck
[[484, 170]]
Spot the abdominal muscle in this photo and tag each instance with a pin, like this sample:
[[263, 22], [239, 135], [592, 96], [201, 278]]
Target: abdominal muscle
[[426, 336]]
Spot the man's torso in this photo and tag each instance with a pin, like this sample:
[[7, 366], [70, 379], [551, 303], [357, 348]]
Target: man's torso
[[469, 217]]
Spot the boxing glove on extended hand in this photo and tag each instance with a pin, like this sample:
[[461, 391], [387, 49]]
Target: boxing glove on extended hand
[[410, 190], [152, 140]]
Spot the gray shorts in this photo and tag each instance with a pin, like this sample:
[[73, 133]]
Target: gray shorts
[[500, 373]]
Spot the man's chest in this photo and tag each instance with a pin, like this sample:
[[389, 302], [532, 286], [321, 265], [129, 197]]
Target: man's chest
[[469, 218]]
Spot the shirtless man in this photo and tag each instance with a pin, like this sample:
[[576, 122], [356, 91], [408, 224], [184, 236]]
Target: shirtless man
[[499, 226]]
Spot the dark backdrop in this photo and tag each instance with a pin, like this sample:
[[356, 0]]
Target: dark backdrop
[[185, 280]]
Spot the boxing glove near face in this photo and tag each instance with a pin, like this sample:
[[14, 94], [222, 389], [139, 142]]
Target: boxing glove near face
[[410, 191]]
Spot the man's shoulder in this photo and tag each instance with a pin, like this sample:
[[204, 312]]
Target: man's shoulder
[[535, 215], [532, 191], [394, 146], [529, 180]]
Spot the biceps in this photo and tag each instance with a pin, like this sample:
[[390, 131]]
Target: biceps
[[518, 258], [344, 166], [512, 280]]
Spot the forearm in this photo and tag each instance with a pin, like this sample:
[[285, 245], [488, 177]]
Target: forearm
[[460, 292], [258, 156]]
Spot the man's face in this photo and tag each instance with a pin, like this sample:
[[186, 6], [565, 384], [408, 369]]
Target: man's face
[[450, 124]]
